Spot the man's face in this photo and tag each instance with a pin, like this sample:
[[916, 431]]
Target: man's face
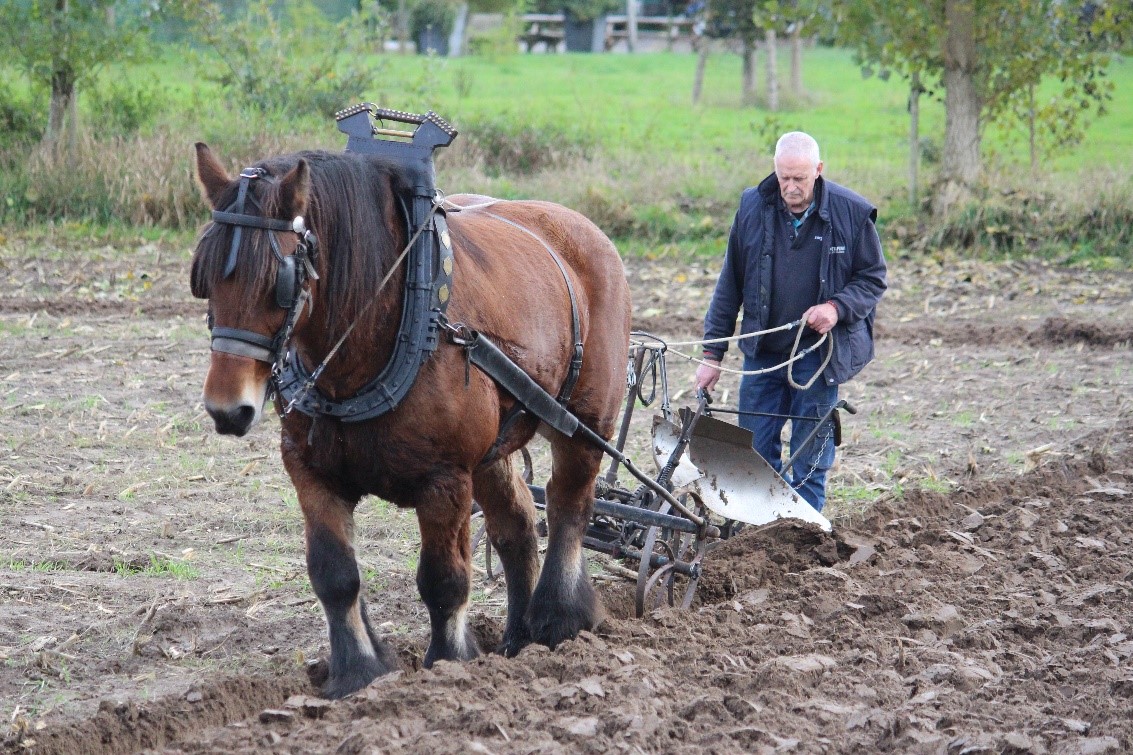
[[796, 180]]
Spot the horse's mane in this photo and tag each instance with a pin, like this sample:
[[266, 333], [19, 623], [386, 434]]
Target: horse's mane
[[355, 210]]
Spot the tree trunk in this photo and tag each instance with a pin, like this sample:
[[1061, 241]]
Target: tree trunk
[[402, 22], [701, 63], [772, 70], [1031, 130], [914, 136], [747, 94], [960, 160], [62, 113], [797, 60], [631, 25]]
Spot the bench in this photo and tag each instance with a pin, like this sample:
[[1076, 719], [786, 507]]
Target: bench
[[541, 27], [670, 28], [547, 28]]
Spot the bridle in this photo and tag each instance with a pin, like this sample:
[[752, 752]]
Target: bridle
[[292, 289]]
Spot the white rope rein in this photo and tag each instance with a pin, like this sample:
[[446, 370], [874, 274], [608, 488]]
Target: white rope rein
[[795, 355]]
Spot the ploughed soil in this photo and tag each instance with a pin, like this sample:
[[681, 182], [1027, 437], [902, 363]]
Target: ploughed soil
[[974, 595]]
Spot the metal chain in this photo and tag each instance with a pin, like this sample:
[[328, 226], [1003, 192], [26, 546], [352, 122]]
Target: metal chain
[[814, 466]]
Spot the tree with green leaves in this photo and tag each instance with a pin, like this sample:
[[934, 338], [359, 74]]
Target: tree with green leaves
[[61, 44], [264, 55], [988, 57]]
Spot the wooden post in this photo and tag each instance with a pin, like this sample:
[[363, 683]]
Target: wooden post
[[701, 62]]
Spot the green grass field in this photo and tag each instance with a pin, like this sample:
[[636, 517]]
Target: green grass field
[[642, 104], [647, 165]]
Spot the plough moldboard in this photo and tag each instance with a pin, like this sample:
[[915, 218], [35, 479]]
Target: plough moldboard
[[710, 483]]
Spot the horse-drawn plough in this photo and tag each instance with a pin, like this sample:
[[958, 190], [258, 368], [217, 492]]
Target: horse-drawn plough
[[424, 391], [710, 482]]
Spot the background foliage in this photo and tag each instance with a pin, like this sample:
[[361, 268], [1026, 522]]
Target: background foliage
[[611, 135]]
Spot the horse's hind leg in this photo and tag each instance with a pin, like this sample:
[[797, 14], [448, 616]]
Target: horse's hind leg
[[357, 656], [509, 516], [444, 573], [564, 602]]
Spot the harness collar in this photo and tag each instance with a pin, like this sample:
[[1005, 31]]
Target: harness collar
[[428, 278]]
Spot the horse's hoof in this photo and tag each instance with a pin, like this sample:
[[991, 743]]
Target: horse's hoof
[[338, 687], [337, 680], [551, 619], [513, 642], [466, 651]]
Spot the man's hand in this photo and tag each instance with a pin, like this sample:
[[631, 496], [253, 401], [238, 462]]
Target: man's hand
[[707, 374], [821, 317]]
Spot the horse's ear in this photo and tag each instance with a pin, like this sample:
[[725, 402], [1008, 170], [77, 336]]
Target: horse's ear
[[214, 179], [293, 190]]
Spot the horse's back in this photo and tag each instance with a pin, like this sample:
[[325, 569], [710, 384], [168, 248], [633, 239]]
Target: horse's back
[[505, 253], [572, 236]]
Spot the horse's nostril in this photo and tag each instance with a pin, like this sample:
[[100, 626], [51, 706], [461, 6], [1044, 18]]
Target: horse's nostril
[[233, 421]]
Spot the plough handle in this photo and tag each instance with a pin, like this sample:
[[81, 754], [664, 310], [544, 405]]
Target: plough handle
[[810, 437], [682, 441]]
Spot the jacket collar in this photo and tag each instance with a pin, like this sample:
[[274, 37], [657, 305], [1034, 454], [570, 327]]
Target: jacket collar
[[769, 190]]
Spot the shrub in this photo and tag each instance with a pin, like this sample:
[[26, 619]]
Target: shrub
[[506, 146], [21, 123], [437, 15], [1036, 223], [122, 107], [296, 62]]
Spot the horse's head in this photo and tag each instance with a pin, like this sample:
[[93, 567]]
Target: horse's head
[[251, 263]]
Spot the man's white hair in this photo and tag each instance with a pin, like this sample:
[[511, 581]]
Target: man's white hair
[[797, 144]]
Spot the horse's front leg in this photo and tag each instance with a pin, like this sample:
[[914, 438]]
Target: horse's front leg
[[444, 572], [357, 656], [565, 602]]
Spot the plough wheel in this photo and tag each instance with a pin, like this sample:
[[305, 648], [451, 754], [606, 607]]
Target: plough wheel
[[672, 547]]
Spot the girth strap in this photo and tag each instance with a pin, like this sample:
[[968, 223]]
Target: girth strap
[[576, 328]]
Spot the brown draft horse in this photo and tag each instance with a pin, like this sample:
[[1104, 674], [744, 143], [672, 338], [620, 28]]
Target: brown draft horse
[[429, 454]]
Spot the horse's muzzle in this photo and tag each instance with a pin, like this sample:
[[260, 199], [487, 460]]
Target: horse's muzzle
[[233, 421]]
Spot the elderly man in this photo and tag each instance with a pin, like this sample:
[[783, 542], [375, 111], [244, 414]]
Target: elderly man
[[801, 248]]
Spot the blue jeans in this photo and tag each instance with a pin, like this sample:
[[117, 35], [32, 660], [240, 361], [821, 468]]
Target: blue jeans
[[772, 394]]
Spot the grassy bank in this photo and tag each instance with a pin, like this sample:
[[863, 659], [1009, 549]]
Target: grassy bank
[[614, 136]]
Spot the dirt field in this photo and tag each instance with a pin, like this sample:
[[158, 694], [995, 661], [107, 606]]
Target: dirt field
[[974, 596]]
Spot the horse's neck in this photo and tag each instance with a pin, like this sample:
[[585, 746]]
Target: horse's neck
[[361, 345]]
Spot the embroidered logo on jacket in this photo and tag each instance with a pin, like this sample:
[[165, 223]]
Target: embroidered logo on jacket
[[837, 250]]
